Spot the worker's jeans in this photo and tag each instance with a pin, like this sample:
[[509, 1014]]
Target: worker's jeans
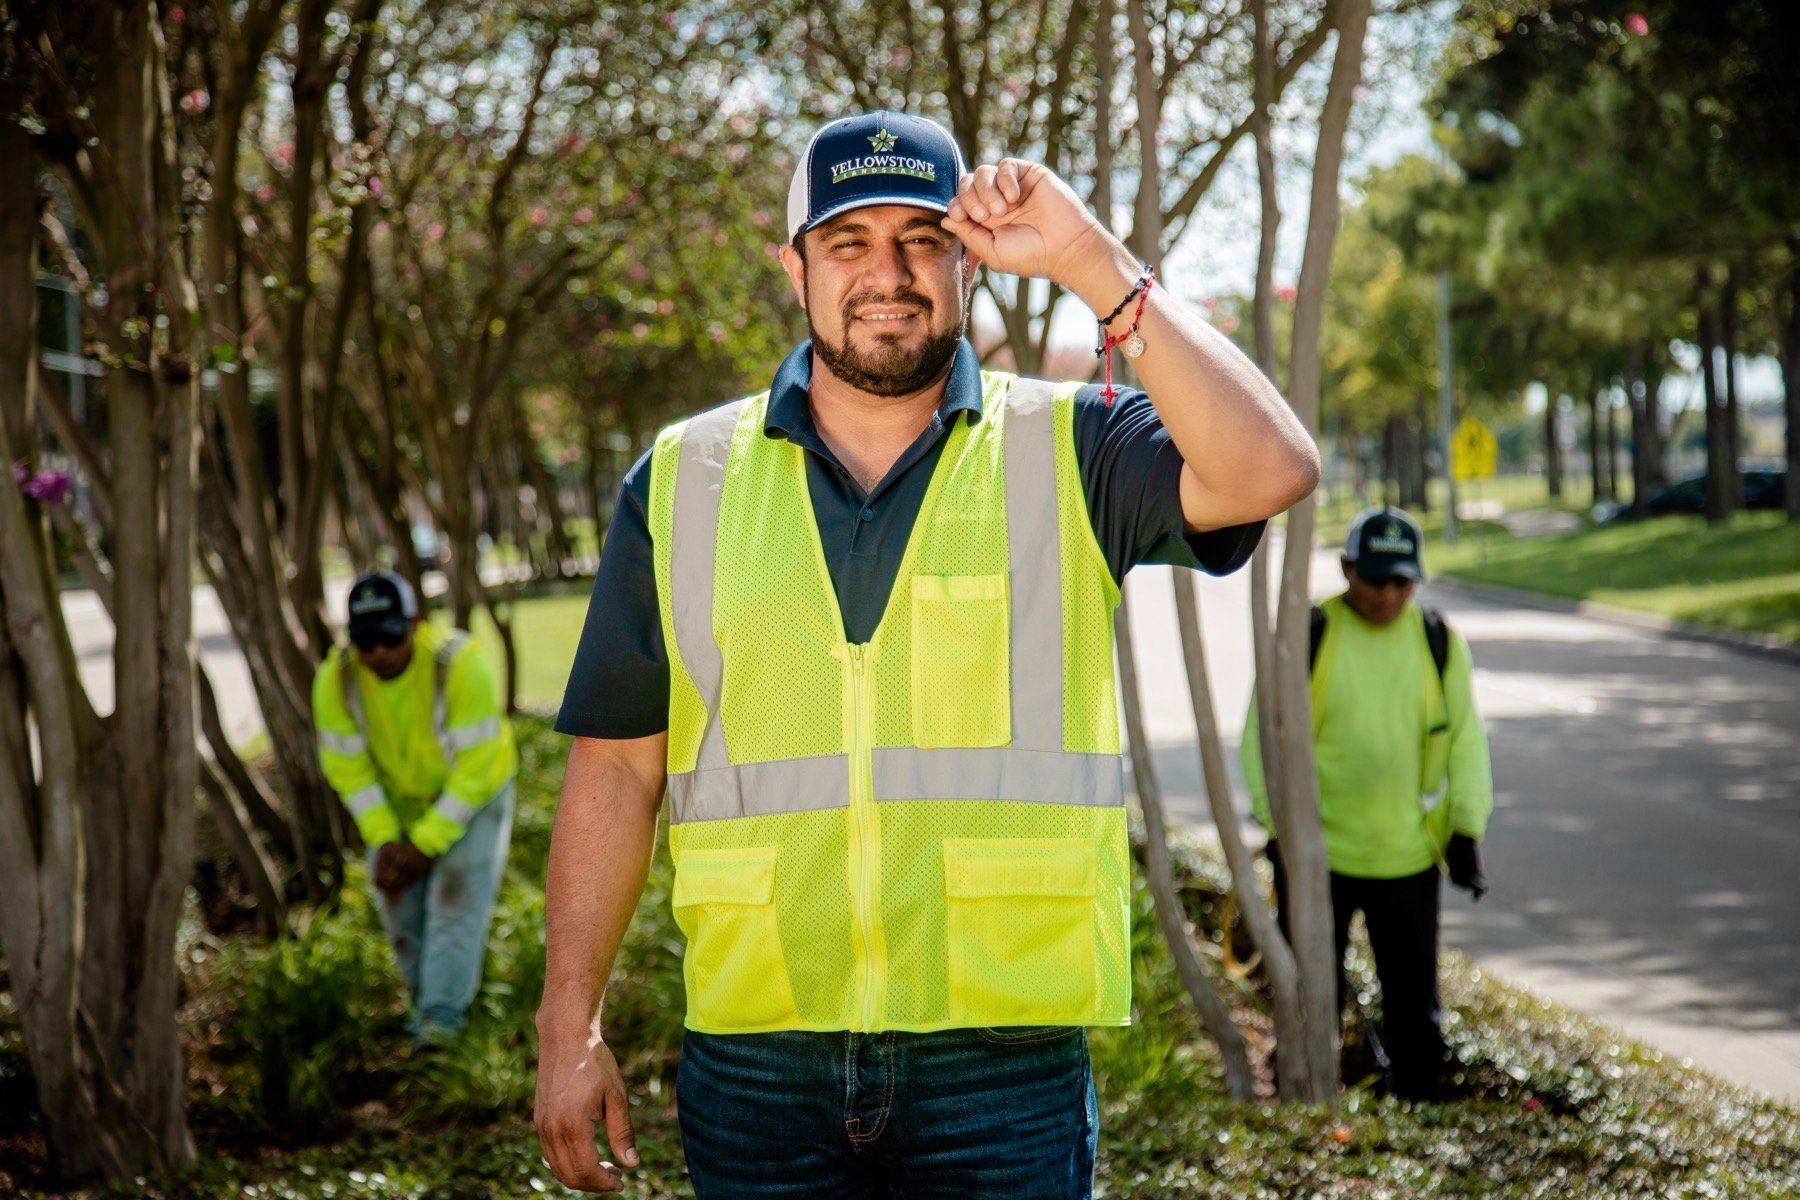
[[439, 926], [999, 1114]]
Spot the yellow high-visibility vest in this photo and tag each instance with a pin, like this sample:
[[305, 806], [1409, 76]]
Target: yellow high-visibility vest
[[925, 830]]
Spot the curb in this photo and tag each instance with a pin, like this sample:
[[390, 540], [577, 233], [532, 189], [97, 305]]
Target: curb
[[1756, 645]]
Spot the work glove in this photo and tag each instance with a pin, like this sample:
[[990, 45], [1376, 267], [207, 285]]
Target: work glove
[[399, 865], [1462, 859]]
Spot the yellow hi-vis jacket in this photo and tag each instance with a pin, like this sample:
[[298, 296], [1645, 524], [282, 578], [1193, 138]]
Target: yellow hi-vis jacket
[[421, 752], [925, 830]]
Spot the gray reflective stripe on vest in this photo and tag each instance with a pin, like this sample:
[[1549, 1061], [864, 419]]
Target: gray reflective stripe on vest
[[462, 737], [1034, 554], [445, 658], [455, 808], [1001, 773], [786, 785], [365, 798], [342, 743], [699, 484]]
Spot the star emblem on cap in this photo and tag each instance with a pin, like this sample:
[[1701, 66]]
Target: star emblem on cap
[[882, 141]]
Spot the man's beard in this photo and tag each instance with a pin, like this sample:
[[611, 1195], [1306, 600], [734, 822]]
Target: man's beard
[[889, 369]]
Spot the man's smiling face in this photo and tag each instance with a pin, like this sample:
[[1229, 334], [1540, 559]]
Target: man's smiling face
[[885, 293]]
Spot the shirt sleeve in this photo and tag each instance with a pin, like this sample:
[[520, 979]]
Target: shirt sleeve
[[1469, 792], [1131, 471], [344, 757], [619, 684]]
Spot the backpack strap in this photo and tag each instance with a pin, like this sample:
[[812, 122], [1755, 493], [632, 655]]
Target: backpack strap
[[1437, 637], [1316, 634]]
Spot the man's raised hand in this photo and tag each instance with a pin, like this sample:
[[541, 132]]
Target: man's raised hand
[[1020, 218]]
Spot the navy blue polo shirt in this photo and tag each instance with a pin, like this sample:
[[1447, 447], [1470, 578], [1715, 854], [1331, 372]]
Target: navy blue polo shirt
[[1130, 470]]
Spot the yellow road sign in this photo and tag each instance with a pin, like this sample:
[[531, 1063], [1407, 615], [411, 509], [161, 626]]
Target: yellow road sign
[[1473, 450]]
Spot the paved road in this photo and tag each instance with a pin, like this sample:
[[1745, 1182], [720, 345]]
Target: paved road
[[1645, 851], [1645, 847]]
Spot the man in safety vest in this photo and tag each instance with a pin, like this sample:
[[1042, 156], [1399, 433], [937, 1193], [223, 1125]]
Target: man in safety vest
[[1405, 786], [413, 736], [859, 626]]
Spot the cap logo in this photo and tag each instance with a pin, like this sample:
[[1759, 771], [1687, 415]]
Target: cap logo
[[369, 602], [882, 141], [1391, 540]]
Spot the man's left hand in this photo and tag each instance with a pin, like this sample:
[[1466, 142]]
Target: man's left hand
[[1462, 858], [1018, 217]]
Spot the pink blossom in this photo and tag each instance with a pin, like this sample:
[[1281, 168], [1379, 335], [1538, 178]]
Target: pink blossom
[[265, 193], [1636, 24], [571, 143], [666, 308], [435, 231], [46, 487], [640, 331], [582, 216], [762, 218], [177, 15], [375, 188], [721, 239], [540, 216], [284, 154], [1287, 293], [637, 272], [1210, 304], [1228, 323], [720, 336], [1532, 1104], [196, 102]]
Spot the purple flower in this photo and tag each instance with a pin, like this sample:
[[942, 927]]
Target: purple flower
[[46, 487]]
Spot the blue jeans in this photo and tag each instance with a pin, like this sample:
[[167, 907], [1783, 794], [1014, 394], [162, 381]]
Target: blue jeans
[[438, 927], [995, 1114]]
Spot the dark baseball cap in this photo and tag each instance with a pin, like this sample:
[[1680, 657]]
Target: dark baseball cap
[[1385, 542], [874, 158], [382, 605]]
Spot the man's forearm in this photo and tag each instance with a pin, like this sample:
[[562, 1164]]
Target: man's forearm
[[1247, 454], [600, 853]]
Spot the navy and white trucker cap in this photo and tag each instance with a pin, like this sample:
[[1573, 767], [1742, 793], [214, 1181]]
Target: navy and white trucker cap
[[874, 158], [1383, 543]]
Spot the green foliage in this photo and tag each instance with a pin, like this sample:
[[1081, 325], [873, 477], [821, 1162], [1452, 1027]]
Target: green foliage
[[318, 1012]]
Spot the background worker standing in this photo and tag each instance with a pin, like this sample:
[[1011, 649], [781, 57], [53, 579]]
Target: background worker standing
[[1405, 785], [413, 737]]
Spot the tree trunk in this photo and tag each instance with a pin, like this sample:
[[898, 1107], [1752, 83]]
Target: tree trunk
[[1553, 479], [1720, 499], [1309, 1069], [1596, 445], [1643, 431], [1790, 380], [1612, 447], [1728, 344], [1421, 453], [96, 841], [1265, 930], [1170, 915]]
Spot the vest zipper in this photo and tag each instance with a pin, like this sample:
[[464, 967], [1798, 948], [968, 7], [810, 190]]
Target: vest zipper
[[865, 837]]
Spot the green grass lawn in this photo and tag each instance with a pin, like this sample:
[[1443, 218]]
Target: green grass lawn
[[300, 1087], [1743, 576]]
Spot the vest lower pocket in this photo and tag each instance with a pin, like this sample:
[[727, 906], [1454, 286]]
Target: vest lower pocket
[[1020, 927], [737, 976], [961, 661]]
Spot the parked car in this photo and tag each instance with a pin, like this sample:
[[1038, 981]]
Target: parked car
[[1763, 488]]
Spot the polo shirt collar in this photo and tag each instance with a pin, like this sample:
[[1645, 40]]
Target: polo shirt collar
[[790, 413]]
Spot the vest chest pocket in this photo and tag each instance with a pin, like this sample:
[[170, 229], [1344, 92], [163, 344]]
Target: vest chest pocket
[[737, 976], [961, 661], [1020, 927]]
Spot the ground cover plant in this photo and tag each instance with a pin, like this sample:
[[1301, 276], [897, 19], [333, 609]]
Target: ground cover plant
[[300, 1087]]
